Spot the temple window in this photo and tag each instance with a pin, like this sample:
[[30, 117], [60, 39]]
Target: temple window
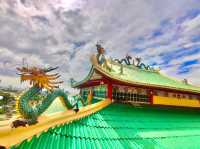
[[165, 94], [155, 93], [100, 91], [170, 94], [195, 97], [174, 95], [186, 96], [129, 94]]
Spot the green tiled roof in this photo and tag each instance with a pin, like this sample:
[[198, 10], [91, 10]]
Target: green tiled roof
[[135, 75], [124, 126]]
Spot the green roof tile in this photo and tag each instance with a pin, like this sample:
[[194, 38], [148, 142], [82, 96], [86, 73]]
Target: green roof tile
[[133, 74], [124, 126]]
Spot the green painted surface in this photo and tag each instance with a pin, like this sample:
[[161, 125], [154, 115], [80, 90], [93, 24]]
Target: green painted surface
[[125, 126], [133, 74], [56, 106], [31, 113]]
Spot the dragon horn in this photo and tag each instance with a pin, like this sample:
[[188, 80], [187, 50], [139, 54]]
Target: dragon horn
[[51, 69], [53, 77], [57, 82], [19, 69]]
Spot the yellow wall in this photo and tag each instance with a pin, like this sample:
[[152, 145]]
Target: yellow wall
[[175, 101]]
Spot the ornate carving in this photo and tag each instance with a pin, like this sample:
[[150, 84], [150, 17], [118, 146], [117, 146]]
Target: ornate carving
[[100, 55], [127, 61], [40, 77]]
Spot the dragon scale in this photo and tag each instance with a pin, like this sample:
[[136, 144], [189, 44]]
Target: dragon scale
[[40, 80]]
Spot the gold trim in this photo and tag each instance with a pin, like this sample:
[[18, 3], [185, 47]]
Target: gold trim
[[171, 101], [12, 136]]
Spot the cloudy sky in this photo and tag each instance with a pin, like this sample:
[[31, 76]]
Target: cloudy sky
[[165, 33]]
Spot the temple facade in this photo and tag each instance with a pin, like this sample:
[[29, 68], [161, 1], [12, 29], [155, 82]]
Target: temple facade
[[125, 81], [104, 121]]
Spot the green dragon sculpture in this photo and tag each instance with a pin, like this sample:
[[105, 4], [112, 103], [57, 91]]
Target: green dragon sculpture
[[39, 79], [140, 65]]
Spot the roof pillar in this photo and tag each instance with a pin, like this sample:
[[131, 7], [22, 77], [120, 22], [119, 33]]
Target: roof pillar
[[150, 96], [109, 92]]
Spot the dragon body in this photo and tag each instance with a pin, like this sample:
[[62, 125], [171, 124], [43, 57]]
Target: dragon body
[[39, 79], [143, 66], [127, 61]]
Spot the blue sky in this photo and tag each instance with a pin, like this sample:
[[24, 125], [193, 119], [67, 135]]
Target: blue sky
[[64, 33]]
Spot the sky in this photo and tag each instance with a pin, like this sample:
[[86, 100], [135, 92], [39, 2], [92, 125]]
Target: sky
[[63, 33]]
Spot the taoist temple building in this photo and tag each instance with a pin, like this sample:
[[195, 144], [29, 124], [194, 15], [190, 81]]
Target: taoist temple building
[[121, 81]]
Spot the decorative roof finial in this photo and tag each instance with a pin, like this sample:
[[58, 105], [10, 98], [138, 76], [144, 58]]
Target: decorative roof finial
[[100, 49], [138, 59], [100, 55], [185, 81]]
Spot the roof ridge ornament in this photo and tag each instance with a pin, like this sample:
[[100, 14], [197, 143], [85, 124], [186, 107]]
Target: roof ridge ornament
[[100, 57], [100, 54], [185, 81], [138, 63]]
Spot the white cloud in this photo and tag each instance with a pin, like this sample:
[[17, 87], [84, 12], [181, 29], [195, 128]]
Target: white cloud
[[192, 25], [64, 33]]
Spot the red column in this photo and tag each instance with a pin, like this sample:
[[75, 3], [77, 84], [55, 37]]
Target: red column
[[151, 99], [109, 93], [150, 95]]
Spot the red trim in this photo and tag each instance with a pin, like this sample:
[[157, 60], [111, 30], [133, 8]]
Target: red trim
[[108, 80], [150, 96], [114, 81], [92, 83], [151, 99], [109, 93]]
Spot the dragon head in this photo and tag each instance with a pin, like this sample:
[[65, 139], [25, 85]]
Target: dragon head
[[100, 49], [39, 77]]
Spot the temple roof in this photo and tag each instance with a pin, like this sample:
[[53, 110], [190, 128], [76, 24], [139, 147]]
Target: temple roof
[[129, 127], [133, 75]]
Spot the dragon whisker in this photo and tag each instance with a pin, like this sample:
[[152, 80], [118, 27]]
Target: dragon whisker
[[56, 82], [51, 69]]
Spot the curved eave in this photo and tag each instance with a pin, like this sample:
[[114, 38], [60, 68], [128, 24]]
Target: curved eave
[[102, 71], [77, 84]]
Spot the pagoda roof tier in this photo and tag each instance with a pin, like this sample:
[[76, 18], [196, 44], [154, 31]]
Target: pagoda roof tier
[[131, 74]]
